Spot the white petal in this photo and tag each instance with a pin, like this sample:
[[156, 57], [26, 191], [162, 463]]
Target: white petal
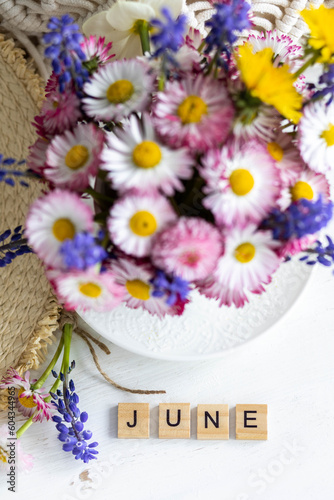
[[122, 15], [97, 25], [174, 6]]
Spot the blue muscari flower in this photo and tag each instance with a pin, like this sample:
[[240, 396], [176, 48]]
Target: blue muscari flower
[[70, 425], [301, 218], [12, 245], [324, 254], [168, 35], [65, 52], [327, 79], [82, 251], [173, 287], [8, 171], [226, 24]]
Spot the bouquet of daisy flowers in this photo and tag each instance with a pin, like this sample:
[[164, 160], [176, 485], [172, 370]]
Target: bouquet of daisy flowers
[[206, 160]]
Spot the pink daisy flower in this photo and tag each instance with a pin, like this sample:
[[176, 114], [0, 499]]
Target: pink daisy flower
[[74, 156], [243, 183], [305, 184], [36, 160], [52, 219], [286, 51], [295, 246], [135, 278], [30, 402], [87, 289], [194, 112], [59, 112], [96, 48], [136, 219], [189, 248], [262, 126], [248, 262]]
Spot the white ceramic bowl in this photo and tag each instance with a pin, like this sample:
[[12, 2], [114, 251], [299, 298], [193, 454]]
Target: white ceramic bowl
[[204, 330]]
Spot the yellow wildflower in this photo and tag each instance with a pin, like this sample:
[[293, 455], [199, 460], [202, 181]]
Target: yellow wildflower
[[272, 85], [321, 24]]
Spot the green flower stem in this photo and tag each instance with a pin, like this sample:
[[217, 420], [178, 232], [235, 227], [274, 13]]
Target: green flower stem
[[212, 63], [67, 346], [308, 63], [47, 372], [143, 31], [201, 47], [161, 82], [65, 342], [98, 196], [24, 427]]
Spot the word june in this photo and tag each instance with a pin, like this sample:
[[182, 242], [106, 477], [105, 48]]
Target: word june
[[174, 421]]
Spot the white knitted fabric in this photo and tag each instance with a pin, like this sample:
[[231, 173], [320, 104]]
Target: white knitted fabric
[[27, 19]]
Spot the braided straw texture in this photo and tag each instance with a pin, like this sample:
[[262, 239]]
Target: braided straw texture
[[27, 19], [28, 309]]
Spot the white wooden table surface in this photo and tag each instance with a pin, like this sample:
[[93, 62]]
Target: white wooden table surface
[[290, 368]]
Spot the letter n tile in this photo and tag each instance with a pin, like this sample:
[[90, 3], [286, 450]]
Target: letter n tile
[[212, 421]]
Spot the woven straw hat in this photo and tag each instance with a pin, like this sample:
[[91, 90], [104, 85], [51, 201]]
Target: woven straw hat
[[28, 309]]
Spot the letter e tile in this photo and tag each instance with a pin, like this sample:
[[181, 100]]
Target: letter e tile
[[133, 420], [251, 422], [174, 420], [212, 422]]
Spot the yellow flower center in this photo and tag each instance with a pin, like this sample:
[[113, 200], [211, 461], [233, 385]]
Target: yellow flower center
[[143, 223], [192, 109], [76, 157], [91, 290], [275, 151], [63, 229], [3, 455], [138, 289], [26, 402], [301, 190], [120, 91], [328, 135], [55, 104], [244, 253], [147, 154], [241, 181]]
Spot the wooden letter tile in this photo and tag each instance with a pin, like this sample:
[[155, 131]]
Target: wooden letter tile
[[251, 422], [174, 420], [133, 420], [212, 422]]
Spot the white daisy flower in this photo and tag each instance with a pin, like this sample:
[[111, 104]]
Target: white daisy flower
[[243, 183], [247, 264], [120, 24], [72, 157], [117, 89], [316, 136], [135, 157], [135, 279], [54, 218], [305, 184], [286, 155], [87, 289], [135, 219]]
